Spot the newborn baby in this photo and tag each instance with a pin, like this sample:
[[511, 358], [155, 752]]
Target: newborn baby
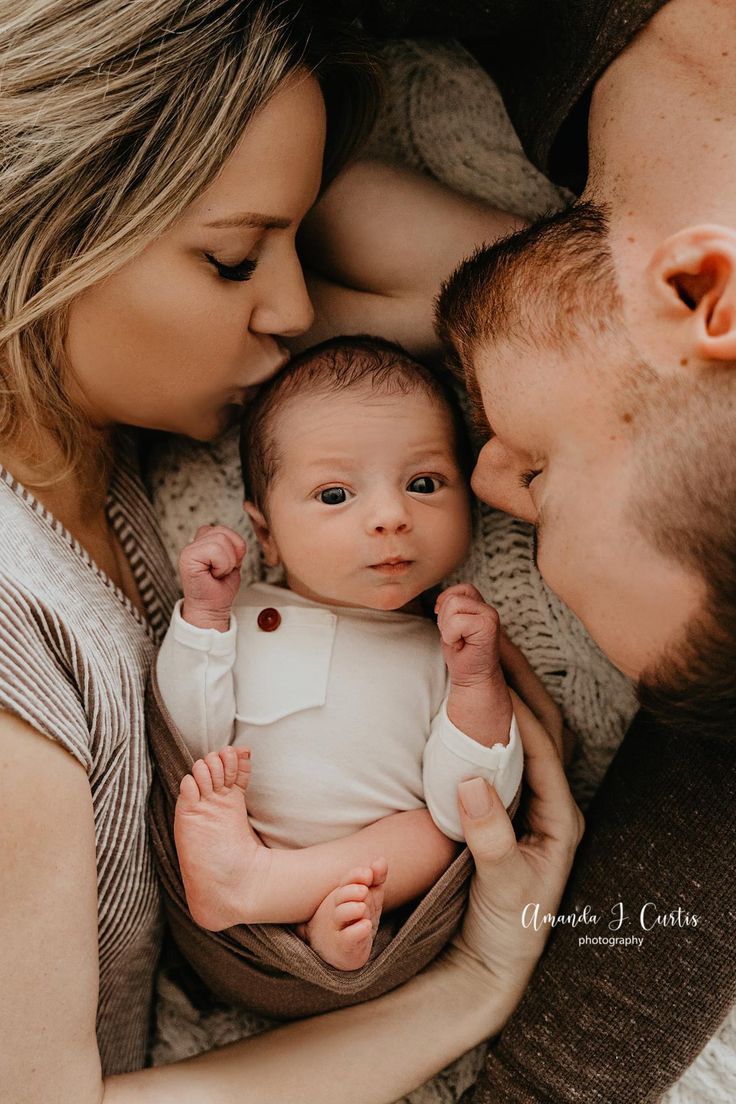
[[358, 713]]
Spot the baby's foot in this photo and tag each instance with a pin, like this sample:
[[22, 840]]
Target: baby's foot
[[344, 926], [219, 853]]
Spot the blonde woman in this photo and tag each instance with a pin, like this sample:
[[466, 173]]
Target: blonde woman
[[158, 158]]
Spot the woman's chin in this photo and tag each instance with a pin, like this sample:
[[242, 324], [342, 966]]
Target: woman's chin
[[211, 429]]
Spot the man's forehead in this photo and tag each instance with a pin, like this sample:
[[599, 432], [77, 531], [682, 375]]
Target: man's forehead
[[488, 375]]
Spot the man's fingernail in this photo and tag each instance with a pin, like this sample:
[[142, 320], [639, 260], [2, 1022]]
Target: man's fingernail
[[475, 796]]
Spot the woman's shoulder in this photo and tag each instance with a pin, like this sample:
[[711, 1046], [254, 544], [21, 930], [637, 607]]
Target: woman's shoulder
[[39, 567], [67, 641]]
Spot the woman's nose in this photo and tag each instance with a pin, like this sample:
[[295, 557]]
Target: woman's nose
[[284, 308]]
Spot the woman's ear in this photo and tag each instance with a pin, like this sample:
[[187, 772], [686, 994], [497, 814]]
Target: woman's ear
[[693, 277], [263, 533]]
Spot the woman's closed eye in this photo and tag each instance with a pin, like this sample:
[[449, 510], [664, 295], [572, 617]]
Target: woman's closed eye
[[239, 272], [424, 484]]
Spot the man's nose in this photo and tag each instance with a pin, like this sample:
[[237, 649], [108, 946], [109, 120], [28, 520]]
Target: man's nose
[[495, 480]]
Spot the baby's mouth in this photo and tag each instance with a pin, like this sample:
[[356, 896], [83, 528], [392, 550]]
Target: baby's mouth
[[394, 565]]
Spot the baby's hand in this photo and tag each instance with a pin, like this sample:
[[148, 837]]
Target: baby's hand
[[210, 576], [470, 631]]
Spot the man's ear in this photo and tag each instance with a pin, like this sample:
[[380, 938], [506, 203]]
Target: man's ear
[[693, 277], [263, 533]]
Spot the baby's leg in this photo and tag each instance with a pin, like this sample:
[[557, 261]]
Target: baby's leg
[[231, 878], [216, 846], [344, 926]]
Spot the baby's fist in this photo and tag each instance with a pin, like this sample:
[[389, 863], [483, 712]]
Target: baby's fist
[[210, 576], [470, 631]]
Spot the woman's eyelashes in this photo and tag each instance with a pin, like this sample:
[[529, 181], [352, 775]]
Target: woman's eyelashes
[[241, 271]]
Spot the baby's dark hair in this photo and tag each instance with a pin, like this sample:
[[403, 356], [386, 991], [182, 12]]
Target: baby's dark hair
[[338, 365]]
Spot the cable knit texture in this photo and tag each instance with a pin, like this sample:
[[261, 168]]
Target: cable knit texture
[[443, 117]]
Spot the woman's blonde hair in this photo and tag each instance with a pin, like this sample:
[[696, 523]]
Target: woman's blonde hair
[[114, 116]]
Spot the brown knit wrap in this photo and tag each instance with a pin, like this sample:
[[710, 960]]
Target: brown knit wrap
[[266, 966]]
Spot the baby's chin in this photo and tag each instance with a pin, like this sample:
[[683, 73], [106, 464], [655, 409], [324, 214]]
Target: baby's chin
[[392, 595], [389, 600]]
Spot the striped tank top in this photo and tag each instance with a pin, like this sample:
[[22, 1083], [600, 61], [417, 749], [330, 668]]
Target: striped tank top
[[74, 660]]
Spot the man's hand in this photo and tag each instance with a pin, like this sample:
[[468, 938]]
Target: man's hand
[[210, 576]]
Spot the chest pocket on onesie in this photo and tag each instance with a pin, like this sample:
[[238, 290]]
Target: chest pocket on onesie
[[283, 664]]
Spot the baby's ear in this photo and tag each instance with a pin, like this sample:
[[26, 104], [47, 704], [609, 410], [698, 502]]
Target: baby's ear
[[263, 533]]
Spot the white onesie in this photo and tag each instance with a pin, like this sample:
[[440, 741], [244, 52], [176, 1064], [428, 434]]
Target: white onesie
[[344, 711]]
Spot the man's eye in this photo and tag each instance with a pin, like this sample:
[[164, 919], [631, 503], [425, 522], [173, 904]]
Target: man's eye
[[527, 478], [333, 496], [240, 272], [424, 484]]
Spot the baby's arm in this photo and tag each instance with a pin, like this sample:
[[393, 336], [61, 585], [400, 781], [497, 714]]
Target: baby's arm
[[474, 734], [195, 663], [479, 702]]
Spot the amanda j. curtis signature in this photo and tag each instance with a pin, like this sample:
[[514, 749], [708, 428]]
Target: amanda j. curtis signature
[[649, 917]]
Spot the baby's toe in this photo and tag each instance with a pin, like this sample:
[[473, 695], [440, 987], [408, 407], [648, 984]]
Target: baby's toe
[[188, 794], [229, 760], [380, 871], [217, 771], [350, 913], [203, 778], [357, 892]]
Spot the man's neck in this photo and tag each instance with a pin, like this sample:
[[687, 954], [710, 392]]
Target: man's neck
[[663, 125]]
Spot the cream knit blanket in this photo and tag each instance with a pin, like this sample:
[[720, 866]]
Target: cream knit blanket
[[443, 117]]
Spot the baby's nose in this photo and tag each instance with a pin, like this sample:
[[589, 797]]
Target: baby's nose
[[390, 515]]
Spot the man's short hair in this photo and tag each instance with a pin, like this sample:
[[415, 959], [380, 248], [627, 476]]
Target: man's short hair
[[338, 364], [554, 285], [544, 285]]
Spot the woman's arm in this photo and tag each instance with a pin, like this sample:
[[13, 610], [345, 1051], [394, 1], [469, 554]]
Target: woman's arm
[[379, 244], [48, 923]]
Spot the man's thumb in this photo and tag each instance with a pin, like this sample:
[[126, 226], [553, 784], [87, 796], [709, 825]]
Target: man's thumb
[[486, 825]]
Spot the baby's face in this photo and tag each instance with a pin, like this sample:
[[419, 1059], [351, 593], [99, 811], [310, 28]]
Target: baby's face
[[369, 506]]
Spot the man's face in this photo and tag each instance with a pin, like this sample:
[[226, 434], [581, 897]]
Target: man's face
[[562, 456]]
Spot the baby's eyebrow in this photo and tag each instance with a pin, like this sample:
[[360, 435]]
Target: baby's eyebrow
[[330, 462], [430, 453]]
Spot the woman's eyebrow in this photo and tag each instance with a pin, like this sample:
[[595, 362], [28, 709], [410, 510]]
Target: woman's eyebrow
[[259, 222]]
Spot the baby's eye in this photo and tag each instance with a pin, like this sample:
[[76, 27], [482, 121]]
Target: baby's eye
[[424, 484], [333, 496]]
